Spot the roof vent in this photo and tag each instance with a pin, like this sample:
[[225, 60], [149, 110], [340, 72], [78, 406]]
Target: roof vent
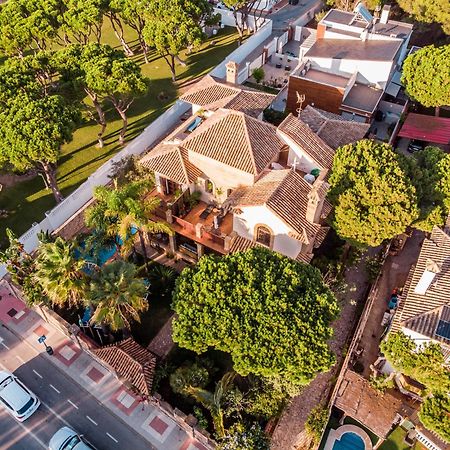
[[431, 269]]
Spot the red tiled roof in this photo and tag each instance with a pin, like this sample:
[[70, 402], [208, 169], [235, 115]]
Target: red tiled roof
[[236, 140], [295, 129], [285, 192], [333, 129], [212, 94], [173, 162], [131, 362], [426, 128]]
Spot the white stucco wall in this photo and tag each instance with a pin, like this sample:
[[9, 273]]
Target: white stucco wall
[[244, 225], [222, 176], [377, 72], [304, 161]]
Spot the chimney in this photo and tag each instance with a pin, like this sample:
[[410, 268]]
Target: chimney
[[431, 269], [385, 14], [315, 203], [232, 72]]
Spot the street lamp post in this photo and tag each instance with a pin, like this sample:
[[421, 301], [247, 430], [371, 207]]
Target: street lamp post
[[48, 349]]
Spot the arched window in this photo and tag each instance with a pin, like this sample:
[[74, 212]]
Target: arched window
[[263, 235]]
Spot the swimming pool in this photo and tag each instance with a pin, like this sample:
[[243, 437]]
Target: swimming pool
[[349, 441]]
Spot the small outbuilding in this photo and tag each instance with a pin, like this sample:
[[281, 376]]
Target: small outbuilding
[[426, 128]]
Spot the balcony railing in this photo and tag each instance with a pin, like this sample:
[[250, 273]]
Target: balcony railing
[[217, 239], [184, 224]]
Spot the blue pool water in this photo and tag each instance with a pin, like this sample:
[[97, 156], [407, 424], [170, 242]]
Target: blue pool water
[[349, 441]]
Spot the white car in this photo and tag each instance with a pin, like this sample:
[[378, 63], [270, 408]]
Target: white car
[[16, 398], [67, 439]]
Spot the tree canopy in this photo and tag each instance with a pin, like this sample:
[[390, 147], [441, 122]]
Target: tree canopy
[[373, 196], [430, 174], [271, 313], [32, 131], [435, 415], [428, 11], [117, 293], [173, 25], [425, 365], [425, 75]]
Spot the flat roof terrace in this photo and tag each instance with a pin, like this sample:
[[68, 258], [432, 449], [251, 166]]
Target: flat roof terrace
[[322, 77]]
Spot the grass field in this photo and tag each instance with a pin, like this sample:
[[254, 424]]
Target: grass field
[[27, 201], [395, 441]]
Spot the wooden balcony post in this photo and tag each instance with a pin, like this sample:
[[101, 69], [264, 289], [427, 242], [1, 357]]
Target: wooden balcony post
[[169, 218]]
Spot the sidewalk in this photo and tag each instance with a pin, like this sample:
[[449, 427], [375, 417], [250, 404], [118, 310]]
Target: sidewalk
[[150, 421]]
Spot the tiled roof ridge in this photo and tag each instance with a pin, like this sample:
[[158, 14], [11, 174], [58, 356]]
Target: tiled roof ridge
[[119, 346]]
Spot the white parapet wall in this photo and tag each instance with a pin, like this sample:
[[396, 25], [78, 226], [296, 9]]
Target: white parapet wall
[[150, 136]]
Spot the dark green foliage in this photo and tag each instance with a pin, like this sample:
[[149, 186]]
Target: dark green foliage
[[428, 11], [22, 267], [435, 415], [258, 74], [373, 197], [373, 267], [317, 419], [273, 116], [430, 174], [425, 74], [425, 365], [202, 421], [245, 436], [270, 313], [192, 375]]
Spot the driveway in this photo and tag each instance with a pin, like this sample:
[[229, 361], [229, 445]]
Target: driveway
[[395, 273]]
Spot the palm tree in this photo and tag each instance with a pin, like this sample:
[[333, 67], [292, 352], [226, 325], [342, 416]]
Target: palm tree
[[162, 279], [212, 401], [124, 210], [117, 295], [59, 273]]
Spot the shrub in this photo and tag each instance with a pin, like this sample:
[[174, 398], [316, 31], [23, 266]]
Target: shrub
[[186, 376], [258, 74], [315, 423]]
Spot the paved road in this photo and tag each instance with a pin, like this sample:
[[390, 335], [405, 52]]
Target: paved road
[[63, 403]]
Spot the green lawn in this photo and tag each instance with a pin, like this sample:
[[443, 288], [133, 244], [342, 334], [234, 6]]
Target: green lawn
[[395, 441], [27, 201]]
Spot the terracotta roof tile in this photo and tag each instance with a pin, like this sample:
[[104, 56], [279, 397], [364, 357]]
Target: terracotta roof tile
[[241, 244], [334, 130], [236, 140], [252, 103], [173, 162], [360, 401], [209, 92], [131, 362], [212, 94], [285, 192], [418, 310], [308, 141]]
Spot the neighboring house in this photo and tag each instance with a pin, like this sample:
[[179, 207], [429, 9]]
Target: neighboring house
[[351, 63], [424, 310], [253, 179]]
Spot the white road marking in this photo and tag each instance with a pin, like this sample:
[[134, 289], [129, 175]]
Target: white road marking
[[20, 359], [56, 390], [64, 421], [73, 404], [91, 420], [38, 374], [112, 437], [4, 345]]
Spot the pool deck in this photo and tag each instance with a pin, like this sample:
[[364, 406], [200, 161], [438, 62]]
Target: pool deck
[[335, 435]]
